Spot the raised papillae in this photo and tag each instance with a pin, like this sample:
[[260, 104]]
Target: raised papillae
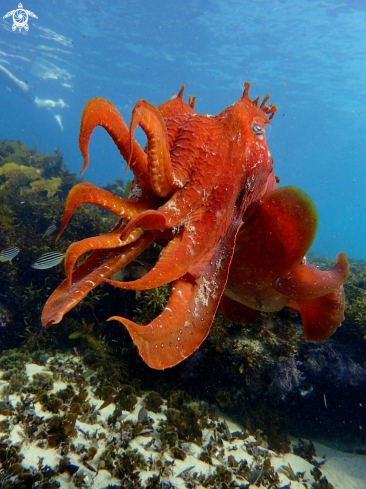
[[204, 187]]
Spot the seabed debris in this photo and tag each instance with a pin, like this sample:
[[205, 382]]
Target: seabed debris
[[60, 427]]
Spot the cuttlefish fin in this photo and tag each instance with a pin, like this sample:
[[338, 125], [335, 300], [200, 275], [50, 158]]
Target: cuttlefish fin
[[277, 232], [236, 312], [321, 316]]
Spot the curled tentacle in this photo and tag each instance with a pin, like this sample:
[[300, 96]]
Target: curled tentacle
[[186, 320], [159, 166], [105, 242], [100, 112], [87, 193], [92, 272]]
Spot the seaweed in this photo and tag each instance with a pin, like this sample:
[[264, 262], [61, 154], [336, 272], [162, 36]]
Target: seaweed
[[153, 401], [85, 332], [185, 423], [34, 188], [114, 448], [178, 399], [151, 303], [41, 382], [321, 481], [306, 450], [128, 464]]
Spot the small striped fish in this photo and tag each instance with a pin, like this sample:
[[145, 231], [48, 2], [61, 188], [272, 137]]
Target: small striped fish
[[50, 229], [48, 260], [9, 253]]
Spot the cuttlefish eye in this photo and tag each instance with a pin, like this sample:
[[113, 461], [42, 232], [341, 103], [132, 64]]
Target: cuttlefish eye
[[258, 130]]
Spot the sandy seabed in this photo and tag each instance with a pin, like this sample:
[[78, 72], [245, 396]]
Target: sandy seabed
[[243, 462]]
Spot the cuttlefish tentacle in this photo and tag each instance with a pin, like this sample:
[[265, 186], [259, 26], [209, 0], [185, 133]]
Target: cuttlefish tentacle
[[87, 193], [106, 242], [100, 112], [158, 336], [98, 265], [182, 253], [159, 166], [170, 266], [186, 320], [308, 282], [147, 220], [174, 213]]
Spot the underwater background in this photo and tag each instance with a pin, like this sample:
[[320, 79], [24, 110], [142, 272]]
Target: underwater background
[[310, 56]]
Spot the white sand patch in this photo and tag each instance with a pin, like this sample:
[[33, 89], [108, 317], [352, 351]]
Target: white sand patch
[[58, 386], [298, 464], [32, 369], [343, 470], [105, 412], [103, 479], [32, 454]]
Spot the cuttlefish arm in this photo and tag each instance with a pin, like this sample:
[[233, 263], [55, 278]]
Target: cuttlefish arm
[[100, 112], [99, 265], [186, 320], [159, 166], [87, 193], [152, 169]]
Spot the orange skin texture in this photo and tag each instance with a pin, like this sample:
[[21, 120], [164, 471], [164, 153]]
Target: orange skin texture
[[268, 270], [193, 183]]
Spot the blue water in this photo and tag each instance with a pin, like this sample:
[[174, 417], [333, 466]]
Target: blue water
[[309, 55]]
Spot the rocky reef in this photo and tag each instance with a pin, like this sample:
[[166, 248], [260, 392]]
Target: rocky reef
[[33, 189]]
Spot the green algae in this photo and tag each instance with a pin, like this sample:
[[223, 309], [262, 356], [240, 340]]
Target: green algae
[[153, 401], [355, 290], [33, 190], [50, 186], [85, 332], [151, 303]]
